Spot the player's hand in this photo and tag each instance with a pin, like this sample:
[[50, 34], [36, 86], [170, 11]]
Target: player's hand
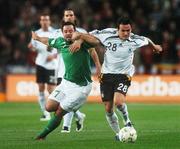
[[34, 35], [30, 46], [51, 57], [75, 46], [100, 77], [98, 71], [157, 49]]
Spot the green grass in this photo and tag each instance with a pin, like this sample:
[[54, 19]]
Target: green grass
[[158, 127]]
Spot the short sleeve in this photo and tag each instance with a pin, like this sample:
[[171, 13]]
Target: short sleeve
[[140, 41], [56, 43], [102, 35], [98, 34], [143, 41]]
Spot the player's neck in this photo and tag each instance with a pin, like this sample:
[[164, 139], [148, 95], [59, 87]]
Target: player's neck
[[45, 29]]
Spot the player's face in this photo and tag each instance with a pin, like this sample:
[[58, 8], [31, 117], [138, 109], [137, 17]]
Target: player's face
[[68, 31], [45, 22], [124, 31], [69, 16]]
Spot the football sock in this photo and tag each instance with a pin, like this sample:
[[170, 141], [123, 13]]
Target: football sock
[[113, 121], [68, 119], [122, 109], [52, 124], [42, 101], [78, 115]]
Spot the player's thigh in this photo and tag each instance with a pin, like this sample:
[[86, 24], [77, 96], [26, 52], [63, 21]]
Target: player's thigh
[[50, 88], [57, 94], [40, 74], [107, 88], [122, 83], [50, 77], [75, 97]]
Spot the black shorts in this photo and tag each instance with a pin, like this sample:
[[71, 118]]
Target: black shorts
[[111, 83], [45, 76]]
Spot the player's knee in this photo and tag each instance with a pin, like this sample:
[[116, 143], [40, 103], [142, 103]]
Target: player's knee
[[50, 88], [51, 105], [118, 103], [48, 108], [108, 109]]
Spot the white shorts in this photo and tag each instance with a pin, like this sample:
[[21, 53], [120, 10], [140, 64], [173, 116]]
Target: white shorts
[[70, 95]]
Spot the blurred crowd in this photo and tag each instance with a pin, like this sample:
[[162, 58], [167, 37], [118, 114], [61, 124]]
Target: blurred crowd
[[156, 19]]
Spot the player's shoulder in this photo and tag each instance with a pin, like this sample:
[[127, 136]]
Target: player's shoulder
[[57, 33], [105, 31], [51, 29], [38, 30], [58, 30], [57, 40], [136, 37]]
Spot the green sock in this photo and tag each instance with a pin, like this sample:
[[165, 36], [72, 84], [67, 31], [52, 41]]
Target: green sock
[[52, 124]]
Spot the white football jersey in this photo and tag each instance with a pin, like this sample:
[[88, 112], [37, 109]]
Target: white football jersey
[[118, 58], [42, 52], [61, 67]]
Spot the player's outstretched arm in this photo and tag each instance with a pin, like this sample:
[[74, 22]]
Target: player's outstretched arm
[[156, 48], [87, 38], [40, 39]]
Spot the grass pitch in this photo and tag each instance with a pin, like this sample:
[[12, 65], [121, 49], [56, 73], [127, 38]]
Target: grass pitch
[[158, 127]]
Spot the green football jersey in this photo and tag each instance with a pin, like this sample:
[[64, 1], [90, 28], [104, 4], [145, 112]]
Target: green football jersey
[[77, 65]]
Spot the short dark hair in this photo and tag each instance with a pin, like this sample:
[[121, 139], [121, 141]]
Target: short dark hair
[[67, 23], [68, 9], [43, 13], [124, 21]]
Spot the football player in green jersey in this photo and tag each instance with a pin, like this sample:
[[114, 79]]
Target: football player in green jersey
[[71, 94]]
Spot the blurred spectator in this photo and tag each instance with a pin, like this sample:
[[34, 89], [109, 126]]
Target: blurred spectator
[[157, 19], [18, 58], [5, 49]]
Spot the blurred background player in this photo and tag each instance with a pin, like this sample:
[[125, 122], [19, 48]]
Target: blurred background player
[[69, 16], [46, 63]]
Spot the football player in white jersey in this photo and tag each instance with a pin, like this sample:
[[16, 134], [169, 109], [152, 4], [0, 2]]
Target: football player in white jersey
[[117, 68], [46, 63], [69, 16]]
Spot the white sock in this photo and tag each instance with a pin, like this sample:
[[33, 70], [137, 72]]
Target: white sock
[[68, 119], [113, 121], [123, 111], [78, 115], [42, 101], [47, 114]]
